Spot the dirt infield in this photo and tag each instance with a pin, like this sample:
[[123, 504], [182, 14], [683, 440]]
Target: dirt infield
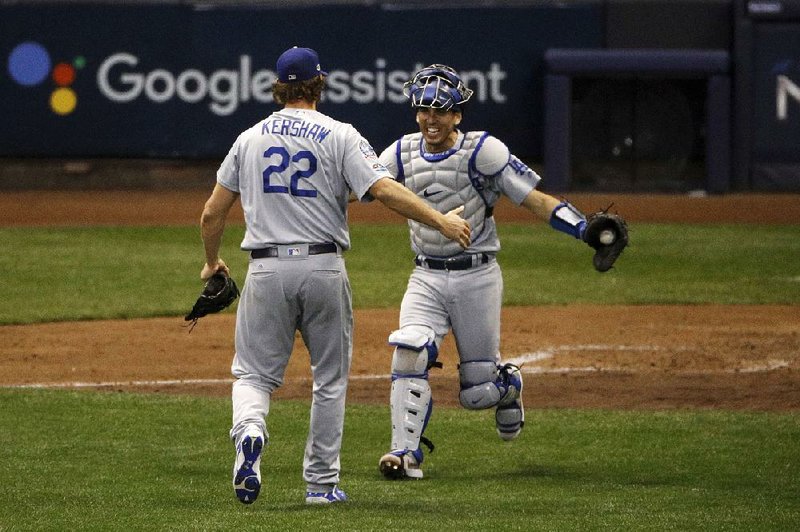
[[709, 356]]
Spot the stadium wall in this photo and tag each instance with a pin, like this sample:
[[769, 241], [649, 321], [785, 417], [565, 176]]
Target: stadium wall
[[85, 83]]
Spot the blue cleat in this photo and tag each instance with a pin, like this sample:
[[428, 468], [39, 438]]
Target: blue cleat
[[510, 414], [326, 497], [247, 468]]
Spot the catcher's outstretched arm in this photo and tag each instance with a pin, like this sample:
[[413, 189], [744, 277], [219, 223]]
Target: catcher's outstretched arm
[[561, 215], [540, 204]]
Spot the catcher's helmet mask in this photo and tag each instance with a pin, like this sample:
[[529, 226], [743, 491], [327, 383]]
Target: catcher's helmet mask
[[437, 87]]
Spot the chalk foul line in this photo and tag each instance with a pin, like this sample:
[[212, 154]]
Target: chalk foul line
[[527, 361]]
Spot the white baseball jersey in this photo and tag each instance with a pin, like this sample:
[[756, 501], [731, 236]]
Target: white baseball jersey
[[294, 171]]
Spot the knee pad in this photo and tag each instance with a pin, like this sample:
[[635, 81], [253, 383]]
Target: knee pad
[[478, 388], [415, 352], [484, 384]]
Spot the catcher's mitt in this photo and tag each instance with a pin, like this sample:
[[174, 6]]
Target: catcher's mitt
[[607, 233], [218, 293]]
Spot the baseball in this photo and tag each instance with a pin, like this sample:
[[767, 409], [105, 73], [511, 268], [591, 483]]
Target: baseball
[[607, 236]]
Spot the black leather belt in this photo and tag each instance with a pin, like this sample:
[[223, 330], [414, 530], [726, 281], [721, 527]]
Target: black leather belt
[[313, 249], [458, 263]]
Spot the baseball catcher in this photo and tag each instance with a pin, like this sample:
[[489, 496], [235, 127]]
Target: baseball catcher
[[218, 293], [456, 289]]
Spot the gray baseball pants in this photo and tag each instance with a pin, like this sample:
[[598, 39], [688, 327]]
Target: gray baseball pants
[[310, 294]]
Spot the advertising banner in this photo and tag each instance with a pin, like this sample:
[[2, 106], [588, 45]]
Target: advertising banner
[[777, 93], [775, 154], [184, 80]]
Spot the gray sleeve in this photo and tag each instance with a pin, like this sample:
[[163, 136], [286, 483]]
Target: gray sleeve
[[517, 180], [507, 174], [388, 158], [228, 172], [361, 165]]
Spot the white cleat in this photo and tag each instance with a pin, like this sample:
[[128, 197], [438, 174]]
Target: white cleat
[[400, 464]]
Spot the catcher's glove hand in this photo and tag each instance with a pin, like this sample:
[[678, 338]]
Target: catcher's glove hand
[[218, 293], [607, 233]]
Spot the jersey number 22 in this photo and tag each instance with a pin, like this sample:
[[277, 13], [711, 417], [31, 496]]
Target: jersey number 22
[[285, 161]]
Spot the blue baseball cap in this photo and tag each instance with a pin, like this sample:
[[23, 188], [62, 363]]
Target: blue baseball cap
[[298, 64]]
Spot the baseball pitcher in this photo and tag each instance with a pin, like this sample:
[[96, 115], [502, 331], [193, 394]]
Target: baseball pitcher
[[294, 172]]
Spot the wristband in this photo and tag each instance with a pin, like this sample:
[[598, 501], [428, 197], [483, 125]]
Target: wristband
[[567, 219]]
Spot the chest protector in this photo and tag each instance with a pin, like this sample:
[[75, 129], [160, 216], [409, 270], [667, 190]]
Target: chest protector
[[445, 181]]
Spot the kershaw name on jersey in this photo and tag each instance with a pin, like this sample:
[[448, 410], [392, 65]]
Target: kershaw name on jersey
[[295, 128]]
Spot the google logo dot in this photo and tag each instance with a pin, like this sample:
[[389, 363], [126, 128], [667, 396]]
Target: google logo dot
[[29, 64], [63, 101], [63, 74]]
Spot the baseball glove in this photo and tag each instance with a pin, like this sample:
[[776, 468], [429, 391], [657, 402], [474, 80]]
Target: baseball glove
[[607, 233], [218, 293]]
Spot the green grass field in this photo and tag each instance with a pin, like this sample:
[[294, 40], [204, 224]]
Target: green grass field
[[94, 461], [123, 461], [90, 273]]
